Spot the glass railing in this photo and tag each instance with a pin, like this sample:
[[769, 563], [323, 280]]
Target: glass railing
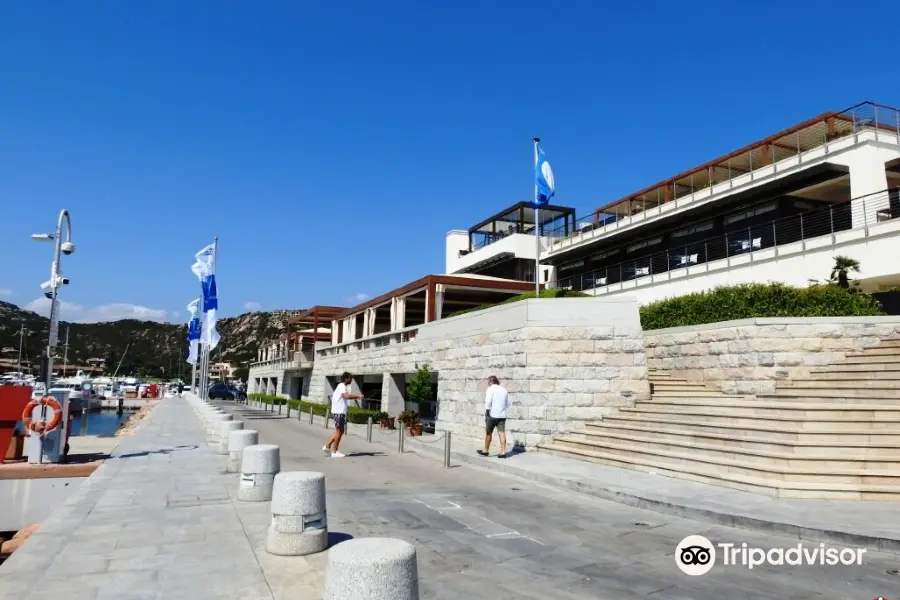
[[861, 213]]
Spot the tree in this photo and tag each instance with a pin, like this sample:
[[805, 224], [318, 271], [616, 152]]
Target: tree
[[840, 272], [419, 388], [242, 372]]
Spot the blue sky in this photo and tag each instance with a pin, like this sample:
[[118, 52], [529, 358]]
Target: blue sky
[[331, 145]]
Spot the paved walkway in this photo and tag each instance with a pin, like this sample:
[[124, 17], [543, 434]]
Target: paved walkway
[[869, 524], [480, 534], [156, 521]]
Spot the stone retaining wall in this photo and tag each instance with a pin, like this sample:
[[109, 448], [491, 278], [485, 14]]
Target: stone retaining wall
[[564, 362], [748, 356]]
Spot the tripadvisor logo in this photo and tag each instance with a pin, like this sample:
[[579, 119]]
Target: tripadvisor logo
[[696, 555]]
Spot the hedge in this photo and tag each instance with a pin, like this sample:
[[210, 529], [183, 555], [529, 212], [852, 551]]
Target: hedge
[[547, 293], [754, 300], [354, 414]]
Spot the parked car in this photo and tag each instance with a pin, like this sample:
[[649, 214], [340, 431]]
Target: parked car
[[221, 391], [239, 394]]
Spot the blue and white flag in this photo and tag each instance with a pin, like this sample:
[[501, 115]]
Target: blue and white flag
[[194, 331], [204, 268], [544, 186]]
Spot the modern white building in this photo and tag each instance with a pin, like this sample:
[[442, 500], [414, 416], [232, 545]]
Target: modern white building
[[777, 210]]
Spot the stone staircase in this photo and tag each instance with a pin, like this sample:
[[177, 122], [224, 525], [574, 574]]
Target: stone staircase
[[834, 434]]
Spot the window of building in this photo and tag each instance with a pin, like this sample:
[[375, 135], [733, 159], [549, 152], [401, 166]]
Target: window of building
[[693, 229], [753, 212], [578, 263], [606, 254], [643, 244]]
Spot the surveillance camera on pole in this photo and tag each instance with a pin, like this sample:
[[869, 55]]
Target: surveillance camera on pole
[[67, 248]]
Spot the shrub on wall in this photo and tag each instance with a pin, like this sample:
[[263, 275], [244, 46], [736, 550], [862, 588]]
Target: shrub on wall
[[753, 300], [548, 293]]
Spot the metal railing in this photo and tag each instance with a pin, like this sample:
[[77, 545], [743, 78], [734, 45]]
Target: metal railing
[[768, 158], [399, 336], [290, 358], [858, 214]]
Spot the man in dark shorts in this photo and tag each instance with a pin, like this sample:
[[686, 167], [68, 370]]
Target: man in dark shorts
[[496, 407], [339, 413]]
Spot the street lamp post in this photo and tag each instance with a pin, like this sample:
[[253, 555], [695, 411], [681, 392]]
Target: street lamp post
[[62, 247]]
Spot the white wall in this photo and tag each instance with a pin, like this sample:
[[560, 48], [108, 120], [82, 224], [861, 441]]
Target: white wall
[[793, 264], [456, 240], [520, 244]]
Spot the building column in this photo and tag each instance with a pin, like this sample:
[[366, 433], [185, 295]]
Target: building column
[[438, 301], [353, 327], [401, 313], [366, 317], [335, 332], [393, 314], [393, 385], [372, 314], [867, 177]]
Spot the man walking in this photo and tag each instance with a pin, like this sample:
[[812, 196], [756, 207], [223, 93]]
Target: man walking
[[180, 388], [339, 413], [496, 407]]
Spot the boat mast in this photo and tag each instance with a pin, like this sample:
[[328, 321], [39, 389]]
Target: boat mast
[[66, 352], [21, 340], [120, 361]]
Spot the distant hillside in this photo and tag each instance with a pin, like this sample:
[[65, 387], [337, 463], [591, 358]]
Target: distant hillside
[[154, 349]]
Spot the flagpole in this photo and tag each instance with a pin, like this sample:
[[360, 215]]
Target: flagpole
[[537, 222]]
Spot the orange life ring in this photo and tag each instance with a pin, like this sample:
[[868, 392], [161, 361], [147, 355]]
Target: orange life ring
[[42, 426]]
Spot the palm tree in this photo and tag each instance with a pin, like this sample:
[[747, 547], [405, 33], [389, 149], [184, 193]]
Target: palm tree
[[840, 272]]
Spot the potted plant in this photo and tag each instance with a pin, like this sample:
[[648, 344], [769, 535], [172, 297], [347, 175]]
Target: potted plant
[[384, 421], [410, 420]]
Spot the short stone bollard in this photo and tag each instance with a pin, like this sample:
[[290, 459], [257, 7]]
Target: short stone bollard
[[259, 465], [237, 441], [299, 525], [225, 429], [372, 568]]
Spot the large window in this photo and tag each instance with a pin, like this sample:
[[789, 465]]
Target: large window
[[753, 212]]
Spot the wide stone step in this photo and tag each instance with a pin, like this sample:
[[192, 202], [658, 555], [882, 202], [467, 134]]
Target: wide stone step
[[687, 387], [889, 344], [876, 351], [855, 376], [863, 388], [704, 393], [834, 449], [715, 476], [834, 432], [752, 465], [797, 410], [871, 367], [865, 359], [726, 417]]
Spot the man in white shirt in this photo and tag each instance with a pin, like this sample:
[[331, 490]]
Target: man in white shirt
[[496, 407], [339, 413]]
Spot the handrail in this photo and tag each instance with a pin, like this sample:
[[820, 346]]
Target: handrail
[[407, 332], [856, 214]]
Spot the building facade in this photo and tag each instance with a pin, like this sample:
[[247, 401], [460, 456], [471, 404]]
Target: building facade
[[777, 210]]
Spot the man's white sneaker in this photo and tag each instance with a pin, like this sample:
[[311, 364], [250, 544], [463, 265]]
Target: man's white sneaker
[[326, 450], [338, 455]]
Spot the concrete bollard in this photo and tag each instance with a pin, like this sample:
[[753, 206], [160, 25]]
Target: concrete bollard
[[215, 424], [237, 441], [259, 465], [372, 568], [225, 429], [299, 525]]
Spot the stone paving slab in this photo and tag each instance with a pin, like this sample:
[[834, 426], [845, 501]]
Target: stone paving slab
[[863, 523], [158, 520]]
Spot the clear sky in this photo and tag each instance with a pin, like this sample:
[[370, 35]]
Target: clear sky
[[331, 145]]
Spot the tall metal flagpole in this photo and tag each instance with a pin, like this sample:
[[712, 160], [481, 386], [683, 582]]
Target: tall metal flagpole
[[537, 223]]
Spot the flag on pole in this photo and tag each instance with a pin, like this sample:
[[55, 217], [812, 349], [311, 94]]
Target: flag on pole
[[194, 328], [544, 185], [204, 268]]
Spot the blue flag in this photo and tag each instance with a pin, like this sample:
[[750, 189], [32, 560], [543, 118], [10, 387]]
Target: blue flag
[[204, 269], [544, 186], [194, 328]]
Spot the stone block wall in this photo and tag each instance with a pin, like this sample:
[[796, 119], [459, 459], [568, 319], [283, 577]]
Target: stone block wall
[[564, 362], [749, 356]]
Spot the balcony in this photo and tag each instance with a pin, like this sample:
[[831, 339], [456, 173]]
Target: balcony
[[796, 148], [836, 228], [295, 359], [400, 336]]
